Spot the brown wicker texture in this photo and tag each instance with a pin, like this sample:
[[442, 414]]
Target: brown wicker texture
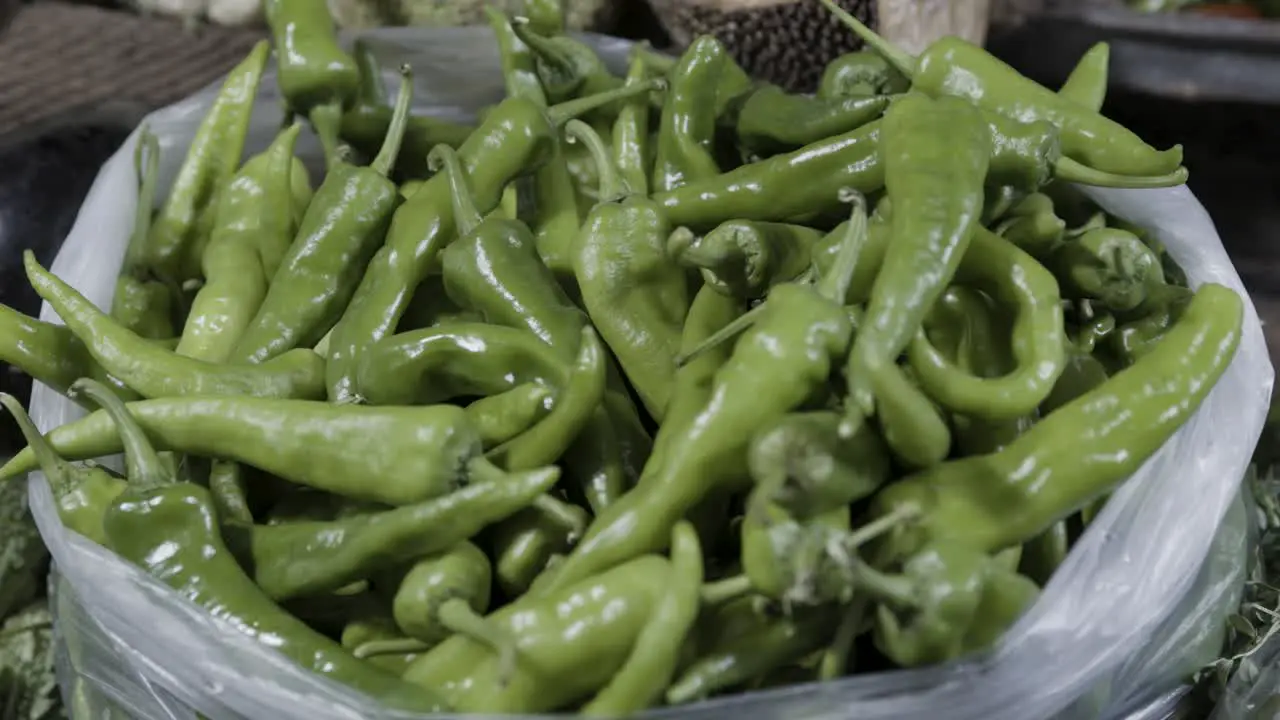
[[59, 60]]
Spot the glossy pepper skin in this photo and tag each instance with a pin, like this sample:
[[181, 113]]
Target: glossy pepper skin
[[170, 531], [501, 417], [154, 371], [686, 130], [745, 257], [636, 297], [344, 225], [298, 559], [858, 74], [1015, 281], [50, 354], [82, 494], [771, 120], [317, 78], [365, 123], [416, 452], [784, 357], [630, 146], [141, 302], [180, 230], [954, 67], [610, 626], [987, 502], [783, 188], [948, 601], [740, 643], [254, 217], [515, 139], [1086, 86], [935, 155]]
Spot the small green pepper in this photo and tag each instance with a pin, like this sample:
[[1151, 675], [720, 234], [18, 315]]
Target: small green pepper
[[317, 78], [858, 74], [345, 224], [746, 258], [636, 297], [154, 371], [82, 494], [180, 230], [170, 531], [686, 131], [142, 303], [254, 218]]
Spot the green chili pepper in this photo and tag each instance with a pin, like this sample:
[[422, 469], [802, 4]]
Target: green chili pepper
[[779, 362], [493, 269], [1033, 226], [515, 138], [254, 219], [1015, 280], [1111, 266], [154, 371], [365, 124], [632, 152], [771, 120], [317, 78], [1135, 339], [935, 156], [948, 601], [526, 543], [376, 626], [169, 529], [499, 418], [415, 452], [809, 470], [345, 224], [142, 303], [643, 679], [745, 644], [50, 354], [457, 360], [954, 67], [179, 232], [783, 188], [914, 429], [309, 558], [1087, 84], [82, 494], [636, 297], [686, 131], [616, 606], [745, 257], [1081, 374], [566, 67], [858, 74], [986, 501]]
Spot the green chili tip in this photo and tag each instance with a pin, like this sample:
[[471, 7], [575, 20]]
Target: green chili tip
[[142, 464], [1069, 170]]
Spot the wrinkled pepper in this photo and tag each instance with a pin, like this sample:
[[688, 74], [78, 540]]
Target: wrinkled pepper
[[744, 257], [567, 67], [858, 74]]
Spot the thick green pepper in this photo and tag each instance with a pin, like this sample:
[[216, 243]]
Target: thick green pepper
[[310, 558], [515, 138], [858, 74], [344, 226], [180, 230], [1113, 267], [686, 130], [784, 357], [254, 217], [82, 494], [744, 257], [954, 67], [636, 297], [169, 530], [1014, 280], [415, 452], [771, 120], [141, 302], [988, 502], [936, 154], [154, 371], [317, 78]]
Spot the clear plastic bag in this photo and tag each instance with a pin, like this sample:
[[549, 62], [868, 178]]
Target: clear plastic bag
[[158, 657]]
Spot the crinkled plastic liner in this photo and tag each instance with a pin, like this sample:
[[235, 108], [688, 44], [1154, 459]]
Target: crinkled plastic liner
[[153, 654]]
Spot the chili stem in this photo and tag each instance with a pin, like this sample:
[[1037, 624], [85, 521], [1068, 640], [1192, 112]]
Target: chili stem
[[835, 659], [897, 57], [566, 111], [739, 325], [458, 617], [385, 161], [1069, 170], [466, 217], [143, 466], [325, 120], [721, 592], [57, 471], [610, 187], [546, 50], [398, 646], [881, 525], [893, 589], [835, 284]]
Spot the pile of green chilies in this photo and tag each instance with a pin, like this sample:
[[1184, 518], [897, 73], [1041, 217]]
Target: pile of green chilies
[[644, 390]]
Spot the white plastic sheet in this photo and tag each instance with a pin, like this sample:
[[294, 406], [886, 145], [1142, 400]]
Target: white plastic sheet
[[160, 657]]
